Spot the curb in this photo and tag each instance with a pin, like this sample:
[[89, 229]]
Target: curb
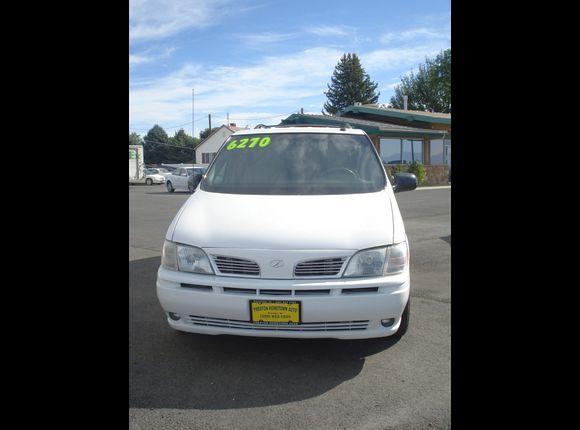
[[437, 187]]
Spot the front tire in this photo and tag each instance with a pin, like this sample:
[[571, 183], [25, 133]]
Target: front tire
[[170, 187], [149, 181], [404, 320]]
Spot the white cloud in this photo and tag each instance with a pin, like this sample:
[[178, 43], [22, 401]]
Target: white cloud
[[157, 19], [396, 58], [272, 85], [390, 87], [148, 56], [277, 83], [416, 33], [259, 39], [328, 30], [139, 59]]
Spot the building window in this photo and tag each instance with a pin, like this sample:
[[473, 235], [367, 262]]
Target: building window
[[390, 150], [401, 151], [207, 157], [412, 151], [441, 151]]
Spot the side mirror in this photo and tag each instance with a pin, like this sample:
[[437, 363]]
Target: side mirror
[[404, 182], [196, 179]]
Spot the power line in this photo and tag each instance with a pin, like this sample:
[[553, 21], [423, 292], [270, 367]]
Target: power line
[[255, 119], [171, 127], [167, 144], [219, 117]]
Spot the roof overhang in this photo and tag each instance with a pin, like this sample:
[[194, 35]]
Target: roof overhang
[[390, 113], [370, 127]]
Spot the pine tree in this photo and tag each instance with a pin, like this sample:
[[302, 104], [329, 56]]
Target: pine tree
[[349, 84], [154, 145]]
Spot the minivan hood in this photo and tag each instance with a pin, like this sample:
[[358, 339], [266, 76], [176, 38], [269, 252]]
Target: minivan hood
[[307, 222]]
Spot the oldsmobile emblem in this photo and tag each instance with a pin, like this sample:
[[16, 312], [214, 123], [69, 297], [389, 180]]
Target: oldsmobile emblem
[[277, 263]]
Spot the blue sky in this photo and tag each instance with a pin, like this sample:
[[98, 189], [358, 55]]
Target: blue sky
[[262, 60]]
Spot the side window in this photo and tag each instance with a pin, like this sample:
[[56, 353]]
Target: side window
[[218, 173], [177, 172]]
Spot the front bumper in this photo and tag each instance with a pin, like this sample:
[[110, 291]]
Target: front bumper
[[215, 309]]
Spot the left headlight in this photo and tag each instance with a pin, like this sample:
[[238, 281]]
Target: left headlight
[[185, 258], [387, 260]]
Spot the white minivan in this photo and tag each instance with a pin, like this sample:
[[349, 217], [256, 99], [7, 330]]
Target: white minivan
[[292, 232]]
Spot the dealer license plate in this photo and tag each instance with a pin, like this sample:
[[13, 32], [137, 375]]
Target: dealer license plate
[[275, 312]]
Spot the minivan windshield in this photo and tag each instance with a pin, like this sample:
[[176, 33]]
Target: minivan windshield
[[296, 164]]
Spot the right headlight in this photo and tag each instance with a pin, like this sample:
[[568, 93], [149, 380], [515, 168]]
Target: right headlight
[[185, 258], [397, 258], [387, 260]]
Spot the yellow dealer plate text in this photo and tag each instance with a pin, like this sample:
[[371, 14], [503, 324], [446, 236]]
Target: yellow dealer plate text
[[275, 312]]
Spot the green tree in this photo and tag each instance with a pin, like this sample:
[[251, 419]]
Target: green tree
[[181, 138], [185, 155], [156, 135], [135, 139], [206, 132], [430, 88], [155, 146], [349, 84]]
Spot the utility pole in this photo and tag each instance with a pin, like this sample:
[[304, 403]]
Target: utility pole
[[228, 119], [192, 114], [209, 117]]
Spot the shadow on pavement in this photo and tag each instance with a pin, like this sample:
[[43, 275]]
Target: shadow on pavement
[[171, 369], [446, 239], [167, 193]]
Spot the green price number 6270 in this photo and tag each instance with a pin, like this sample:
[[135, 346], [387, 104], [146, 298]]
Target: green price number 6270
[[255, 142]]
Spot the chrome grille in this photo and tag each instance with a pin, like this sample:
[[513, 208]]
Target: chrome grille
[[236, 266], [311, 326], [321, 267]]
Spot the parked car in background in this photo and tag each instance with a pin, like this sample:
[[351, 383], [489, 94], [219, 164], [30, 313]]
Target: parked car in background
[[177, 180], [161, 171], [194, 180], [152, 177]]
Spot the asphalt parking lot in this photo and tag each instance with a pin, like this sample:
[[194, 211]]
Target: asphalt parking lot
[[187, 381]]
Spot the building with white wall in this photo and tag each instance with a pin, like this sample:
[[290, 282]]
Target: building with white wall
[[208, 148]]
